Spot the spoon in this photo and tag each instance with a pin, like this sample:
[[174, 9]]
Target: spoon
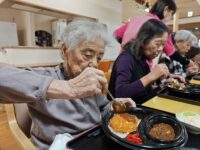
[[118, 106]]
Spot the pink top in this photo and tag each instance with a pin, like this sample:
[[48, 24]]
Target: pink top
[[130, 30], [120, 31]]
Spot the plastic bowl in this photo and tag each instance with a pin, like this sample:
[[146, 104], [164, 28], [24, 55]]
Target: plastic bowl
[[163, 118], [191, 121]]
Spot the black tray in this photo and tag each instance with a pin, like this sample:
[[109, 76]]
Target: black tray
[[143, 113], [165, 93], [191, 91], [95, 139], [197, 77]]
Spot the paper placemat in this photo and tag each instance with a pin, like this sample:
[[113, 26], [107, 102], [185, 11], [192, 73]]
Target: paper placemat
[[171, 106], [195, 81]]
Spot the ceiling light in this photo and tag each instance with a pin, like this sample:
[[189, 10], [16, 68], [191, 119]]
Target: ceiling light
[[198, 1], [147, 10], [190, 13]]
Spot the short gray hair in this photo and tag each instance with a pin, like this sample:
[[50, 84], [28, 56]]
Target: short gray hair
[[81, 31], [185, 35]]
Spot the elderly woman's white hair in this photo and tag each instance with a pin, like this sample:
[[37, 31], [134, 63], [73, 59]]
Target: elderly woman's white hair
[[80, 31], [185, 35]]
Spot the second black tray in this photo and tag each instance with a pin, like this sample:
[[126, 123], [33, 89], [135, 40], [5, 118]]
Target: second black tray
[[197, 77], [173, 96]]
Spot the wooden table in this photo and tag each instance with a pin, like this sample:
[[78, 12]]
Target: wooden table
[[171, 106], [195, 81], [7, 140]]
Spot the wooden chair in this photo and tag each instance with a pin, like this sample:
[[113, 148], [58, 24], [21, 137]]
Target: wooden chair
[[22, 117], [107, 75], [105, 65], [19, 135]]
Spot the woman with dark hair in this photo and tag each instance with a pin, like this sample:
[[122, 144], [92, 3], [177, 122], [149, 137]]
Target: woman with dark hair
[[162, 10], [131, 76]]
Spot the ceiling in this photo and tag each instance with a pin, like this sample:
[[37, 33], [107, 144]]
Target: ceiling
[[188, 5], [131, 9]]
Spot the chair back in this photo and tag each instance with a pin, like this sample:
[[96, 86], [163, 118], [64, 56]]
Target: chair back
[[105, 65], [17, 132], [23, 118]]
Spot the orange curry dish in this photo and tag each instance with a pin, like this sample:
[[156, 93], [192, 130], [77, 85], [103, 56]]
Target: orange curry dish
[[163, 131], [124, 123]]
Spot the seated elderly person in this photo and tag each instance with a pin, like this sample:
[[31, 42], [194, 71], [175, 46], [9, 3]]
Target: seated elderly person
[[183, 40], [68, 98]]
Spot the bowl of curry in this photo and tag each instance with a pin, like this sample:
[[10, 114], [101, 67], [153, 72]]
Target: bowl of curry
[[163, 128]]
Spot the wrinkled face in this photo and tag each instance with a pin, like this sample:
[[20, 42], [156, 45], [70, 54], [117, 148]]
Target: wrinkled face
[[183, 46], [87, 54], [155, 46], [196, 59]]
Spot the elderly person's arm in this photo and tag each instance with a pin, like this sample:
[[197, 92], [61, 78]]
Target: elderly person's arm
[[19, 85], [90, 82]]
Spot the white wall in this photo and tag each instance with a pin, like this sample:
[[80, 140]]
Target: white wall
[[10, 15], [27, 23], [43, 22], [106, 11], [29, 56]]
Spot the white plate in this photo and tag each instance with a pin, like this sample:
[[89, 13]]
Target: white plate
[[191, 120]]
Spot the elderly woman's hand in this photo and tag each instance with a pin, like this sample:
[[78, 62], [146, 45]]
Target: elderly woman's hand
[[90, 82], [160, 70]]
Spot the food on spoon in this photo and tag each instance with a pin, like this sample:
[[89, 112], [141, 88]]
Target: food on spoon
[[124, 123], [162, 131], [118, 106]]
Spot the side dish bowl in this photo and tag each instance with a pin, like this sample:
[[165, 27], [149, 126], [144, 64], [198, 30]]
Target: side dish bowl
[[168, 121], [191, 120]]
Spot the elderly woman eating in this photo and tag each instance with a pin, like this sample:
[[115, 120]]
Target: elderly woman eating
[[68, 98], [183, 40]]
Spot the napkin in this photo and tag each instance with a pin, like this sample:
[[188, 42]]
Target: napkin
[[60, 141]]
